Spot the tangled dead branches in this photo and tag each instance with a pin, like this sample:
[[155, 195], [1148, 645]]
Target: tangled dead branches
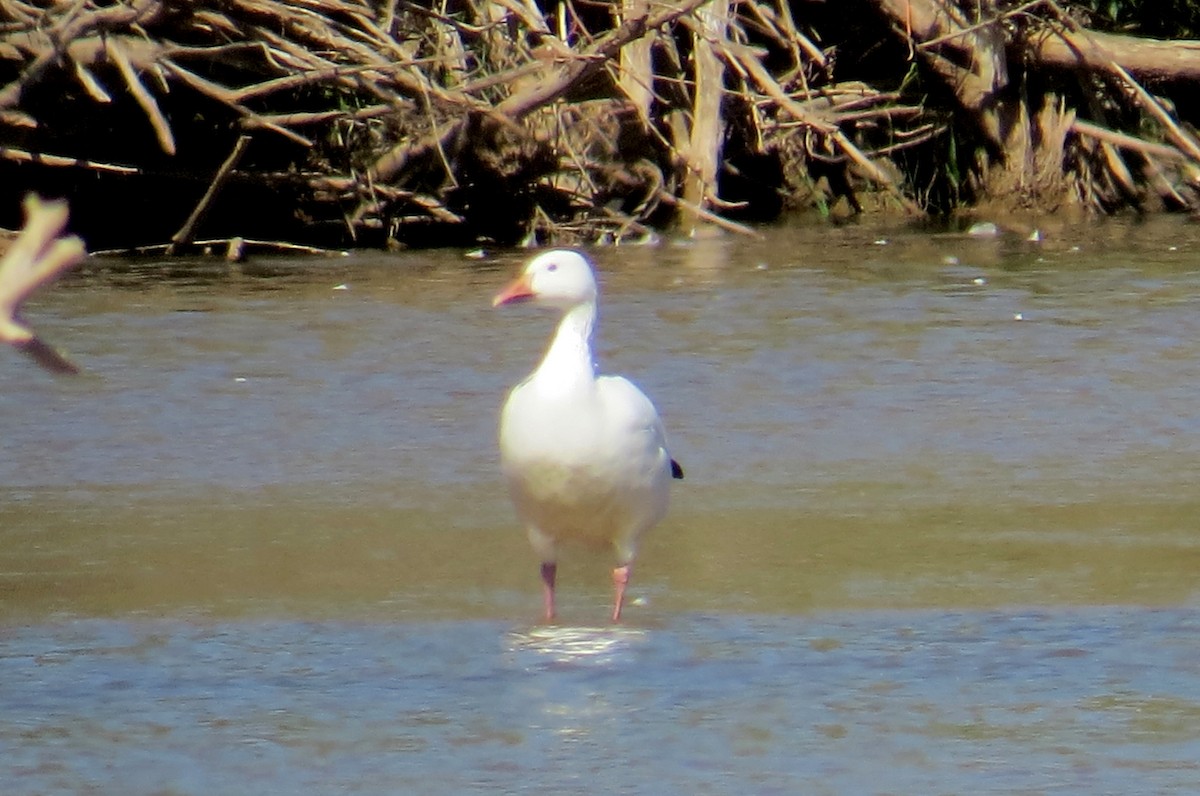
[[360, 122]]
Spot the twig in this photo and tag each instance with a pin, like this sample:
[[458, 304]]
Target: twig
[[162, 128], [22, 156], [210, 245], [1186, 143], [593, 58], [772, 89], [188, 230], [1125, 141], [221, 94], [713, 218], [987, 23], [75, 24]]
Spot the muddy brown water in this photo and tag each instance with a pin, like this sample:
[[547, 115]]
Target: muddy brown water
[[938, 532]]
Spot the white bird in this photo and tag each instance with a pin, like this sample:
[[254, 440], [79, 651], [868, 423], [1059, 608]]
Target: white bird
[[585, 457], [39, 255]]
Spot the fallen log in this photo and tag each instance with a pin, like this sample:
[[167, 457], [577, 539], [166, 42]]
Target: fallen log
[[1147, 59]]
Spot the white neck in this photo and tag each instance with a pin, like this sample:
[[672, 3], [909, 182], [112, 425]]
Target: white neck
[[568, 361]]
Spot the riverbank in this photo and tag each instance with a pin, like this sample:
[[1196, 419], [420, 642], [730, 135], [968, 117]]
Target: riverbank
[[340, 123]]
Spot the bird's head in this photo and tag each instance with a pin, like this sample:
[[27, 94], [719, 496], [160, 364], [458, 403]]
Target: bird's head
[[560, 278]]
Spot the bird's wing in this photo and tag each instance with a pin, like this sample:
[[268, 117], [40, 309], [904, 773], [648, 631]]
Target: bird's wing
[[629, 411]]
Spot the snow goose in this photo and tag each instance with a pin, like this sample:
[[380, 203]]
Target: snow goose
[[585, 457]]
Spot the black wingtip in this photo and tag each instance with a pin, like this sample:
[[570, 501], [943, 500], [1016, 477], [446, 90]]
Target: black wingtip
[[676, 470], [47, 356]]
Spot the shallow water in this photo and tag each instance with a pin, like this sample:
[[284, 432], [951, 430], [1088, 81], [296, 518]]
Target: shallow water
[[922, 702], [938, 531]]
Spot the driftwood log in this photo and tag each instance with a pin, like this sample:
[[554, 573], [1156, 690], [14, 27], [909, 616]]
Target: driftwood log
[[169, 125]]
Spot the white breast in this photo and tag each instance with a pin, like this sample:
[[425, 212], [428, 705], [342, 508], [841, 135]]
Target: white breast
[[587, 464]]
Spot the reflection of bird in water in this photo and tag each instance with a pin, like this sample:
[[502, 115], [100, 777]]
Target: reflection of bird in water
[[585, 457], [36, 257], [579, 645]]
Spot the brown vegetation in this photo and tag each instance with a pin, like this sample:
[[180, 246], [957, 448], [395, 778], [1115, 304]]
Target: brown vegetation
[[379, 122]]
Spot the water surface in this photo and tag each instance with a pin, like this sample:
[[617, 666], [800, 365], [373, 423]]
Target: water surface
[[937, 533]]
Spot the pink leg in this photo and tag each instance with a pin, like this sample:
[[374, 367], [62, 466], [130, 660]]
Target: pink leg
[[620, 581], [549, 569]]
